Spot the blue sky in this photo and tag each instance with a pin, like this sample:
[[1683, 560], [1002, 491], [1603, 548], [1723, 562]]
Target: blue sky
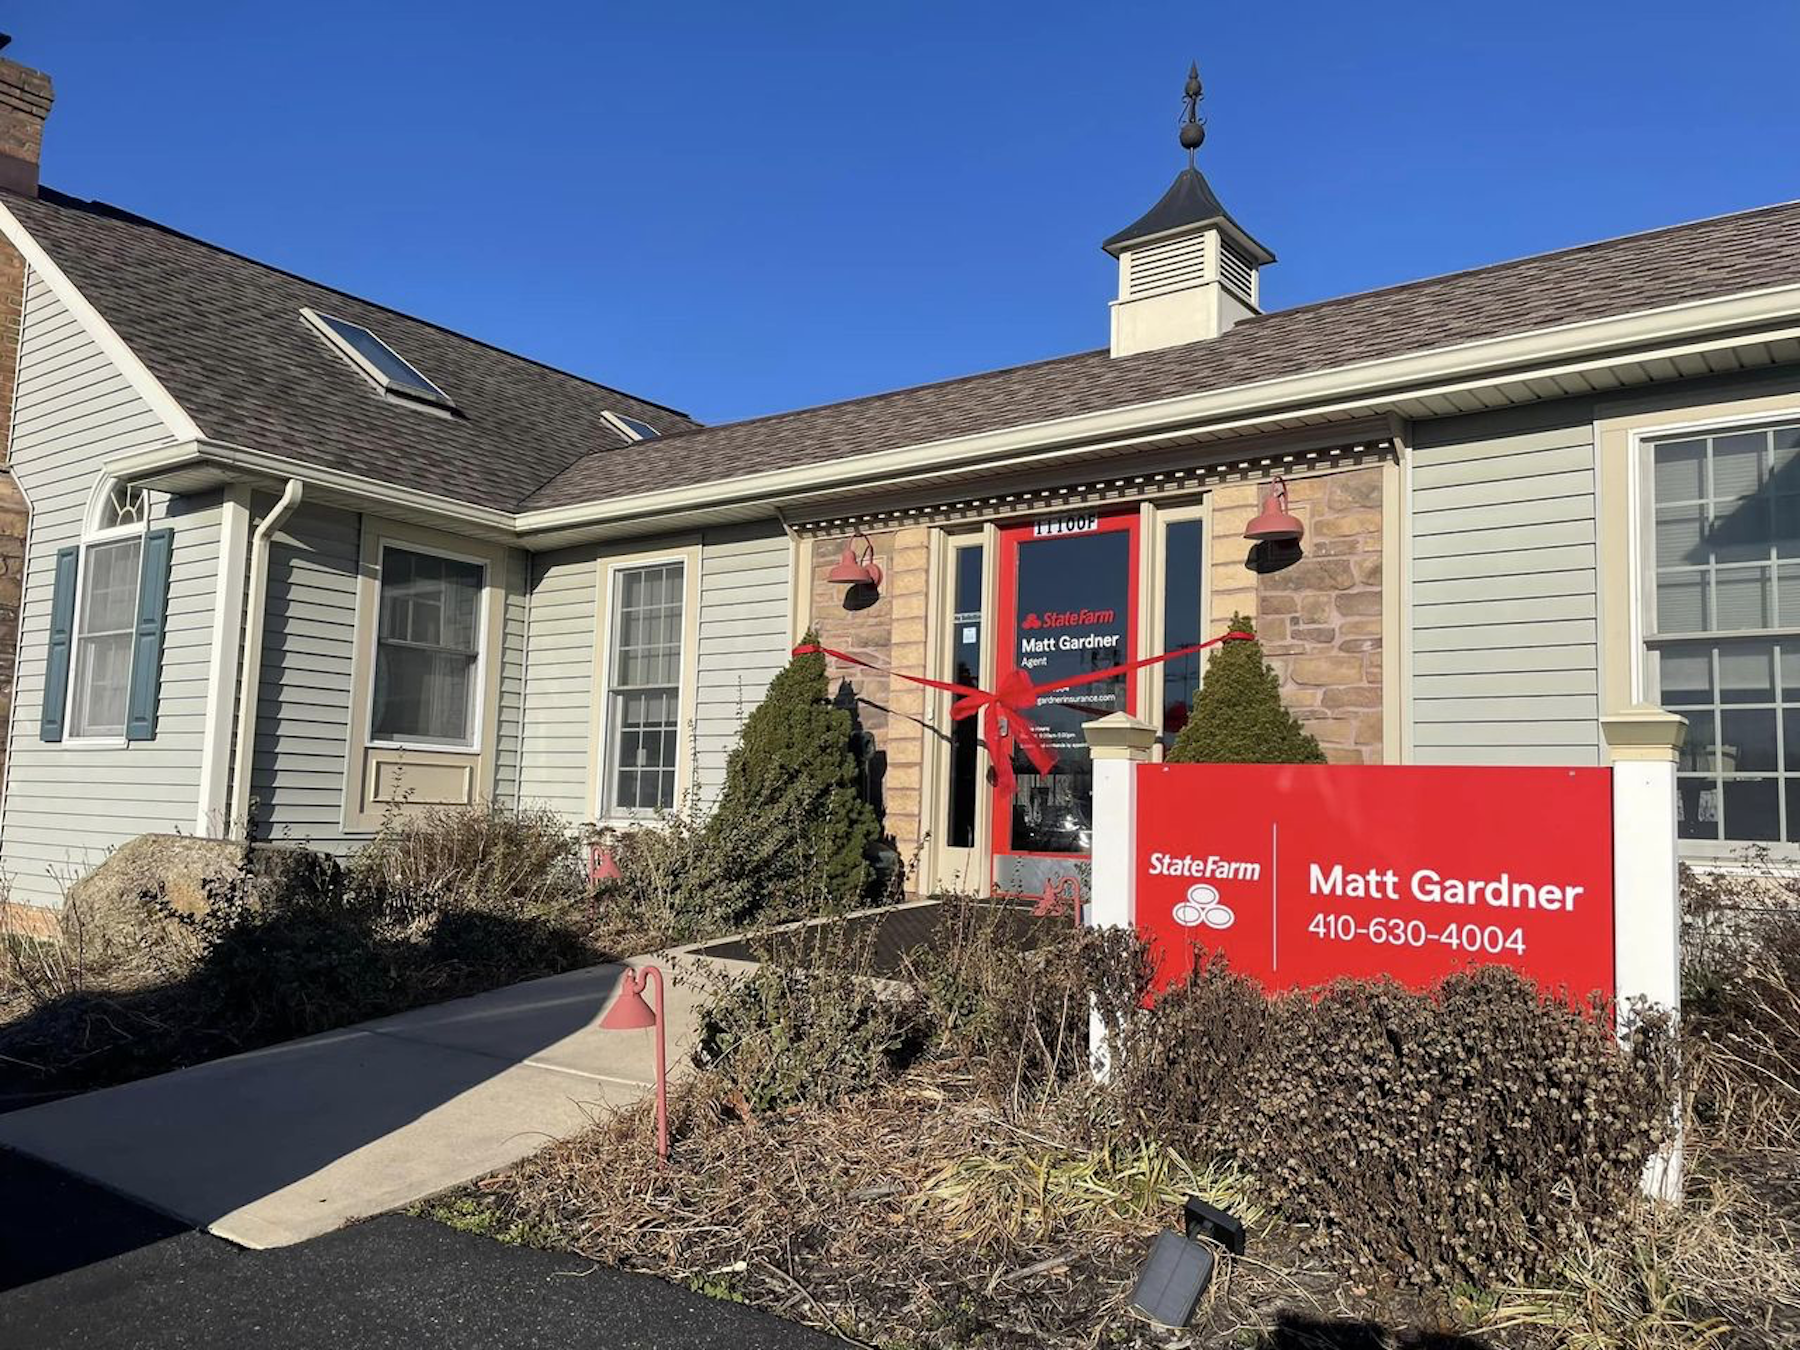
[[737, 208]]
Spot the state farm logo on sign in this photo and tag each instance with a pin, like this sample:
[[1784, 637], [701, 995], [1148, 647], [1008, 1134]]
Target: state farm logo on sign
[[1203, 906], [1069, 618]]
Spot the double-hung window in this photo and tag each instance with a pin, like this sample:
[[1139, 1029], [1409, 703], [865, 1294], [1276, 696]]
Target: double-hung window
[[644, 688], [427, 651], [107, 613], [105, 622], [1722, 626]]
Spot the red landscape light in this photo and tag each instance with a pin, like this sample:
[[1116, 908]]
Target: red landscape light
[[629, 1012], [854, 571], [1276, 524]]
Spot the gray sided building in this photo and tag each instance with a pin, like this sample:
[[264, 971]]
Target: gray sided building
[[296, 563]]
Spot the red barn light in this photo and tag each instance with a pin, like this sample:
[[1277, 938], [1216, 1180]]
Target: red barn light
[[1276, 524], [854, 571]]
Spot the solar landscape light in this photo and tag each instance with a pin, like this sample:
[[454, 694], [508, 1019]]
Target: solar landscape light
[[1214, 1224], [1174, 1277]]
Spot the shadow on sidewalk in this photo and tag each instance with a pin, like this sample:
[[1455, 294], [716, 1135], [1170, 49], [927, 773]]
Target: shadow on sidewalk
[[205, 1142]]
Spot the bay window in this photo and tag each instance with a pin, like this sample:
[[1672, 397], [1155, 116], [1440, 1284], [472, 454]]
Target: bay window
[[427, 651], [1722, 626], [643, 713]]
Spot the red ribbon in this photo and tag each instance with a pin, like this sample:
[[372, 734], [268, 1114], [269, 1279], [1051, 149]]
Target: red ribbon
[[1005, 719]]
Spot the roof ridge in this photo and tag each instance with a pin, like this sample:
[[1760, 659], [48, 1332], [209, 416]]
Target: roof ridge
[[944, 383], [1308, 307], [52, 197], [1520, 261]]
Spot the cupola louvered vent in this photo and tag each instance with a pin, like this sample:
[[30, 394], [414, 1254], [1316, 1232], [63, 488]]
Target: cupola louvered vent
[[1236, 272], [1173, 265]]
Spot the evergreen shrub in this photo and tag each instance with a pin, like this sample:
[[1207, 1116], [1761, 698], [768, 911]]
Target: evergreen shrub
[[791, 836], [1238, 716]]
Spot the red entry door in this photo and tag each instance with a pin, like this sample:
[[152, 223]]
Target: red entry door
[[1068, 605]]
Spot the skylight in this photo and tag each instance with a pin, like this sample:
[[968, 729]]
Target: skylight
[[391, 372], [631, 427]]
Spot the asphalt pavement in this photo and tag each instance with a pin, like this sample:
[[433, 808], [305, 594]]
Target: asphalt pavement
[[84, 1269]]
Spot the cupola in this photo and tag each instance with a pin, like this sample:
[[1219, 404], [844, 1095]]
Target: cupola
[[1187, 270]]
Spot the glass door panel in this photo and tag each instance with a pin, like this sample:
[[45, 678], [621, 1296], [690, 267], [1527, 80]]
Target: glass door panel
[[1068, 605]]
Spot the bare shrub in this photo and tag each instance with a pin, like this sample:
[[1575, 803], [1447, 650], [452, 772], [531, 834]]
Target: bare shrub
[[808, 1025], [1012, 995], [487, 858], [1466, 1134], [1741, 1002]]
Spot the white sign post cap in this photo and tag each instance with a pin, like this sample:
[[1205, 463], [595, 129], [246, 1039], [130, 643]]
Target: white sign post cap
[[1644, 733], [1119, 736]]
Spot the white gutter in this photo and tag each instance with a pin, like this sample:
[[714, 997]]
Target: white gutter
[[238, 826]]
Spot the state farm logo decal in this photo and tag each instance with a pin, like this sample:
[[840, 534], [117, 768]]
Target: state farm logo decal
[[1069, 618], [1203, 906]]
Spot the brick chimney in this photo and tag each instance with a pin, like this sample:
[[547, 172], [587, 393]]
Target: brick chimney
[[25, 96], [24, 104]]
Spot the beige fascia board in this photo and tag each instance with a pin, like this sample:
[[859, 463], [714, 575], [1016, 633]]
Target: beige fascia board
[[1369, 387], [137, 374]]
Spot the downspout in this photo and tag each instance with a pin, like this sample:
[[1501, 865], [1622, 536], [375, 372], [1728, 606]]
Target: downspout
[[251, 678]]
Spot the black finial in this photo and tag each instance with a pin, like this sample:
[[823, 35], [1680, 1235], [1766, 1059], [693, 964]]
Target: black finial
[[1193, 126]]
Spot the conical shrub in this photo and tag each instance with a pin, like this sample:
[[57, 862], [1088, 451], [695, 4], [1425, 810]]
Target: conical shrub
[[1238, 716], [794, 782]]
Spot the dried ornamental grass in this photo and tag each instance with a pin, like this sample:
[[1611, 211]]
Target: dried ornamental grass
[[914, 1215]]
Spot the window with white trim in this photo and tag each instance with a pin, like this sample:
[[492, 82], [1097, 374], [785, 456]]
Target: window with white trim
[[427, 649], [105, 623], [1722, 626], [644, 688]]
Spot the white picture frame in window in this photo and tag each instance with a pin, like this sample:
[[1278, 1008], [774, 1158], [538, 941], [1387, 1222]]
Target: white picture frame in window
[[102, 508], [477, 681], [687, 553]]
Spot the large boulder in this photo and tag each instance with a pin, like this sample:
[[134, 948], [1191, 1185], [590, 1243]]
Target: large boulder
[[121, 917]]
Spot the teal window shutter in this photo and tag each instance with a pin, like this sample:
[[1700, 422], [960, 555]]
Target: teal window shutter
[[147, 642], [62, 629]]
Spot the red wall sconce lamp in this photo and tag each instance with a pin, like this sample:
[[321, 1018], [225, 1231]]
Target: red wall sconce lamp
[[1276, 524], [859, 571], [853, 569]]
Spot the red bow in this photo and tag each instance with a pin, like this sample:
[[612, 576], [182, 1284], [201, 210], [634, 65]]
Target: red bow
[[1006, 720]]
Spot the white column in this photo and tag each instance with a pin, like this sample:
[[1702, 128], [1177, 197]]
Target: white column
[[212, 810], [1644, 745], [1119, 743]]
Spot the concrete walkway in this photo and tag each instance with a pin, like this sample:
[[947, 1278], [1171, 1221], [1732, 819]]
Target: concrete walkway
[[283, 1144]]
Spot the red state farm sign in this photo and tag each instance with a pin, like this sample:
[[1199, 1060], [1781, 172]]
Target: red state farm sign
[[1300, 874]]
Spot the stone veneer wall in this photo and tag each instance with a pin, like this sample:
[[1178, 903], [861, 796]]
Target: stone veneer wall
[[1320, 619], [890, 633]]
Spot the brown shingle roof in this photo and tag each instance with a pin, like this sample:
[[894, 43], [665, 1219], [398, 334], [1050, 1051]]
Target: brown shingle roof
[[1722, 256], [225, 337]]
